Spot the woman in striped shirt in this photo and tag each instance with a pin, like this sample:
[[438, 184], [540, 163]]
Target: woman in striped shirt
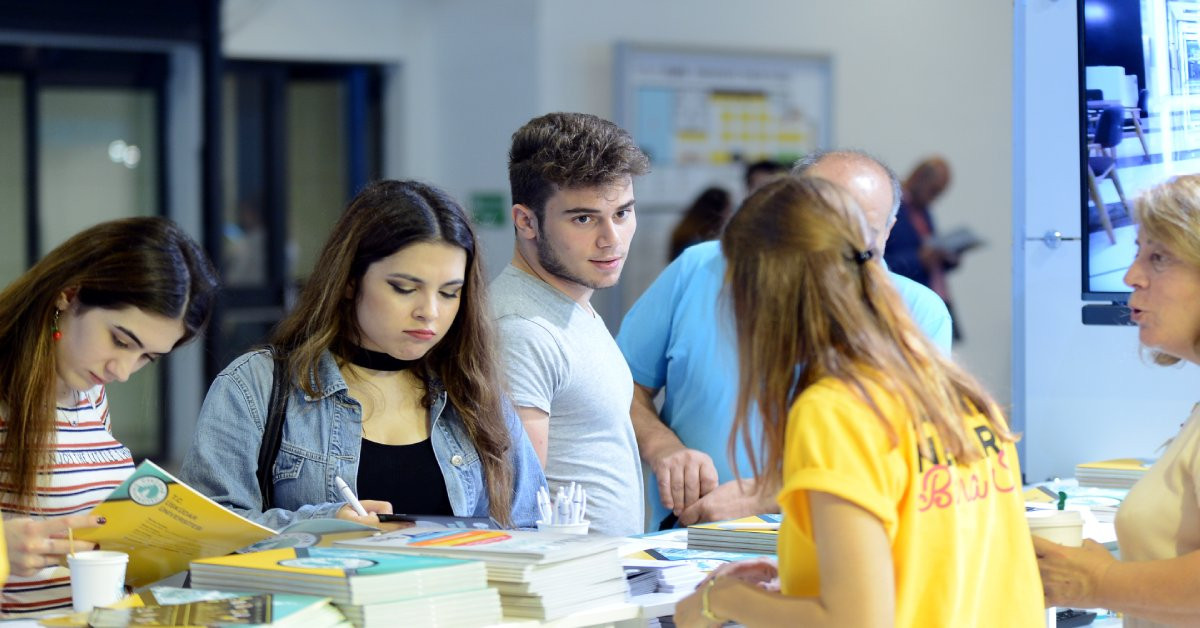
[[95, 310]]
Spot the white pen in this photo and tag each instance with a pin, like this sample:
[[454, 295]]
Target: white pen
[[349, 495], [577, 506]]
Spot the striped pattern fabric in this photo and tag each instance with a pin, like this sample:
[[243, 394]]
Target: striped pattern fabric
[[88, 464]]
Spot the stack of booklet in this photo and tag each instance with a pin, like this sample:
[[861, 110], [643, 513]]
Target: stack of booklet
[[173, 606], [539, 575], [1118, 473], [757, 534], [369, 588], [673, 569]]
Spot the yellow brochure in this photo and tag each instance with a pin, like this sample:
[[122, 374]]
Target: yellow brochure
[[164, 524]]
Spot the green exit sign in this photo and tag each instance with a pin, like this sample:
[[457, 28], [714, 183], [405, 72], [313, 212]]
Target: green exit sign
[[489, 209]]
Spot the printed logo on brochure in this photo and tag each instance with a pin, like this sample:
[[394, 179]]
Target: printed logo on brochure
[[148, 491]]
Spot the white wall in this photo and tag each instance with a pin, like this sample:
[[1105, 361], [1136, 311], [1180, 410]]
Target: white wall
[[1083, 393], [910, 79]]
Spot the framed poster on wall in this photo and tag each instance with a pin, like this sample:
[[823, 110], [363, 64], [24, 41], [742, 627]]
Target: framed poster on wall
[[702, 115]]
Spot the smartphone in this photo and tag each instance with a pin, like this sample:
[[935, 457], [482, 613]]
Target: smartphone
[[445, 521]]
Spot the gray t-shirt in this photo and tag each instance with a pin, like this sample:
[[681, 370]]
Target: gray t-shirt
[[560, 358]]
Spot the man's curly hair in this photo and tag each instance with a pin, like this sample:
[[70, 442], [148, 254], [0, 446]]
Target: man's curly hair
[[569, 150]]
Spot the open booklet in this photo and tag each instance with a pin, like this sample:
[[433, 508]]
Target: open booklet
[[163, 524], [956, 241]]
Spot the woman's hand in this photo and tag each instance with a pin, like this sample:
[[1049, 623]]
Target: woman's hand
[[1071, 575], [688, 610], [760, 572], [34, 544], [372, 507]]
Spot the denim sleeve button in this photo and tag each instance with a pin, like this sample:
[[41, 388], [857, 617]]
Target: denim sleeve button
[[456, 460]]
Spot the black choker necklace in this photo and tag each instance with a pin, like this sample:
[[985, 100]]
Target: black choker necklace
[[376, 360]]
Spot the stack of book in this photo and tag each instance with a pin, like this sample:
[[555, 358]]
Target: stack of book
[[757, 534], [539, 575], [369, 588], [1118, 473]]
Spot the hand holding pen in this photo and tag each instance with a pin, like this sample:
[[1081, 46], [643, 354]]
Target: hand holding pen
[[356, 510]]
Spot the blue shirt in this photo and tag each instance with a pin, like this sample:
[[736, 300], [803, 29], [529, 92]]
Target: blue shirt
[[679, 335], [322, 439]]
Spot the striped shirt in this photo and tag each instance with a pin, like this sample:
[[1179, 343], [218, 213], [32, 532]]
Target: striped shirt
[[88, 464]]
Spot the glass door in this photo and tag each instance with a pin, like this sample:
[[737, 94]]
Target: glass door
[[83, 147], [299, 140]]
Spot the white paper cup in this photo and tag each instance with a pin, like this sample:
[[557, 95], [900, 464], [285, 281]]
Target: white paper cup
[[564, 528], [1064, 527], [97, 578]]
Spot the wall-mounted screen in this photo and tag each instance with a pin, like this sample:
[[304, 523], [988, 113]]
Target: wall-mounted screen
[[1140, 121]]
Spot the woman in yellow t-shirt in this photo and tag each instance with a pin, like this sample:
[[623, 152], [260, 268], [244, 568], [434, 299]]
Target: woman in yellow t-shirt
[[1156, 582], [901, 491]]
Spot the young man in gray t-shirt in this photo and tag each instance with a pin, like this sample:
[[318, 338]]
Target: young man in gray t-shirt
[[572, 189]]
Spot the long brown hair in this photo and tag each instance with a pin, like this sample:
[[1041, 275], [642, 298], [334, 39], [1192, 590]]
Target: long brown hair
[[384, 218], [147, 263], [807, 295]]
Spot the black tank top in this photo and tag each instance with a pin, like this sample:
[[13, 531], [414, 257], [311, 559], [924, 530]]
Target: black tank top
[[407, 476]]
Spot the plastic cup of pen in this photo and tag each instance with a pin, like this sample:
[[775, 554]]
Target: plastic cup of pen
[[1064, 527], [97, 578], [564, 528]]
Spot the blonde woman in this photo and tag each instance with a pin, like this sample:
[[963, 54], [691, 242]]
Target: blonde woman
[[1158, 525], [901, 491]]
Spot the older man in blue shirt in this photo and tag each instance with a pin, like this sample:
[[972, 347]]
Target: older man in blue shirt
[[679, 335]]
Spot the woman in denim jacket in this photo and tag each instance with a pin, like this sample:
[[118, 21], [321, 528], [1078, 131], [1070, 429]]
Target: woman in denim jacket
[[395, 386]]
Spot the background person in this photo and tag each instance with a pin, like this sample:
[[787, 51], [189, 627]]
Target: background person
[[703, 220], [393, 383], [762, 171], [1156, 582], [910, 249], [97, 308], [901, 490]]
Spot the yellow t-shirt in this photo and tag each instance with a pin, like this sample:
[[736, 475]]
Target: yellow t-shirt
[[961, 549]]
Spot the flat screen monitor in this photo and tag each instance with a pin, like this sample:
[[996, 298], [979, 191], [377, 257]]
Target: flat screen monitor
[[1139, 77]]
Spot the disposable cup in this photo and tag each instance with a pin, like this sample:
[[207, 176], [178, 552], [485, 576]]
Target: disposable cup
[[1064, 527], [564, 528], [97, 578]]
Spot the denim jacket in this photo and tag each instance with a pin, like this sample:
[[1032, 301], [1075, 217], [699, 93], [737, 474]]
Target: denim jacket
[[322, 437]]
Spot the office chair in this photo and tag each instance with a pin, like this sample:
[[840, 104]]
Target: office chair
[[1109, 131]]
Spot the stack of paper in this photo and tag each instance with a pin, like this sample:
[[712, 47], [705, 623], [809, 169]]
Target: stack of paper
[[641, 580], [370, 588], [1118, 473], [756, 534], [539, 575], [1101, 502], [681, 577]]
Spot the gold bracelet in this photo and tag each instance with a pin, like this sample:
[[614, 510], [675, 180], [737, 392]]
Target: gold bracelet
[[705, 609]]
